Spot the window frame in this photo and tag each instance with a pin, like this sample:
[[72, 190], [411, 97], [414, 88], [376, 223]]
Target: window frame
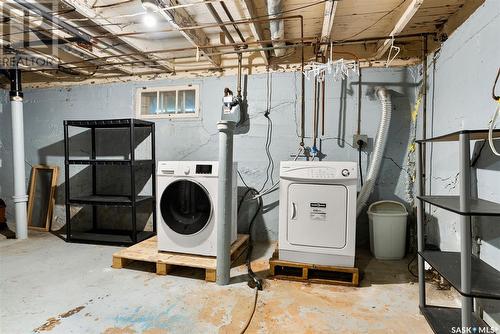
[[162, 89]]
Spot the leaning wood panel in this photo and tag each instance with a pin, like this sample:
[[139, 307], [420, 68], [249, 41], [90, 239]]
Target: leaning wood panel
[[41, 197]]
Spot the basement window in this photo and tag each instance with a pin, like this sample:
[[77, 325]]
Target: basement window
[[168, 102]]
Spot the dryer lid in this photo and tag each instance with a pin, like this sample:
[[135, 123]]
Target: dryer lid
[[186, 207]]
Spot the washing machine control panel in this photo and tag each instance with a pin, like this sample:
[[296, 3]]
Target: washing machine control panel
[[190, 168]]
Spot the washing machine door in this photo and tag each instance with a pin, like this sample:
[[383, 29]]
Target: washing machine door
[[317, 215], [186, 207]]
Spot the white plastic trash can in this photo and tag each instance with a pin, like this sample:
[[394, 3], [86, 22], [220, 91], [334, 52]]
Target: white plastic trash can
[[387, 230]]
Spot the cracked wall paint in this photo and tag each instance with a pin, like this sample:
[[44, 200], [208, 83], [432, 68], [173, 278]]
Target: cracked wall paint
[[45, 110]]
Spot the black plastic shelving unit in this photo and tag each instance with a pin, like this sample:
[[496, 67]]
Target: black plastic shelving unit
[[96, 234], [468, 274]]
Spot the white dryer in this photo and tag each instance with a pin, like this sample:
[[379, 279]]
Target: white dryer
[[317, 219], [187, 206]]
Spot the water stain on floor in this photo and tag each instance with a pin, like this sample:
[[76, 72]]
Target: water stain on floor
[[52, 322]]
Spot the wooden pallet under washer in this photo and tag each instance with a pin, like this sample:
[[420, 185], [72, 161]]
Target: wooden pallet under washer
[[147, 251], [306, 272]]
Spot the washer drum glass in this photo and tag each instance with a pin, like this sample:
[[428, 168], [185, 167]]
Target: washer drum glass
[[185, 207]]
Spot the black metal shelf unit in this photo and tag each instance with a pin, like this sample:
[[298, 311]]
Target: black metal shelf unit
[[468, 274], [96, 234]]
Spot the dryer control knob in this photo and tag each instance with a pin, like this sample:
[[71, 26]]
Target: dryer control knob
[[345, 172], [186, 171]]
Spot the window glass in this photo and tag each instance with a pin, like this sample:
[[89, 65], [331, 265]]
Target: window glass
[[167, 102], [148, 103], [187, 101]]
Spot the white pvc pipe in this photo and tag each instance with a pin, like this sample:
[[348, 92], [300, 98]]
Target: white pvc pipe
[[20, 198], [224, 208], [378, 150]]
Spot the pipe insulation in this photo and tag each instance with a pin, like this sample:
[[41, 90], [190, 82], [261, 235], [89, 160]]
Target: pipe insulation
[[276, 27], [378, 150]]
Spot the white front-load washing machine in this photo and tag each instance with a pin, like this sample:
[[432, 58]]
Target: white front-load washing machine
[[187, 206], [317, 218]]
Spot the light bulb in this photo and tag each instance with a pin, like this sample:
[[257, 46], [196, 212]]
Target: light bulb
[[149, 20]]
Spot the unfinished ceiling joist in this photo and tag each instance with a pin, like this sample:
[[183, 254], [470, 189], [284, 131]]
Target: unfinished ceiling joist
[[401, 23], [82, 8], [249, 11], [326, 30], [180, 18]]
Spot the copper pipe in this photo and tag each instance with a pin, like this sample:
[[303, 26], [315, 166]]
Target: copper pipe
[[238, 90], [190, 48], [323, 108], [173, 58], [201, 26]]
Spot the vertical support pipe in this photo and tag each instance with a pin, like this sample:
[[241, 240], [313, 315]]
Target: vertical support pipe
[[66, 181], [94, 181], [424, 107], [20, 198], [224, 208], [465, 230], [132, 181], [153, 169], [420, 226]]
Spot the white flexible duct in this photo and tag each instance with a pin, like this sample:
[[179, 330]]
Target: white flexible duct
[[276, 27], [378, 151]]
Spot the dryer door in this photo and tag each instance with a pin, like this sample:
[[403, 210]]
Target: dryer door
[[317, 215], [186, 207]]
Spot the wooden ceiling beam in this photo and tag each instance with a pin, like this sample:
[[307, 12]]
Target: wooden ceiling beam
[[250, 12], [328, 17], [82, 8], [180, 18], [401, 23]]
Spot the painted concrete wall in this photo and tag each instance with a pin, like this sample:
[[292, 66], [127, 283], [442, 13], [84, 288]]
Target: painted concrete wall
[[460, 98], [45, 110]]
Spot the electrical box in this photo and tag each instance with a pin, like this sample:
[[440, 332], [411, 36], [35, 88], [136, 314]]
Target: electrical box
[[360, 138]]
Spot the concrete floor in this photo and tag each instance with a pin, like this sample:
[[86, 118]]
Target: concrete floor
[[47, 285]]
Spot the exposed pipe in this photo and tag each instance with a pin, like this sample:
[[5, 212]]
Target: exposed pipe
[[230, 17], [42, 11], [277, 27], [424, 107], [238, 89], [217, 18], [224, 207], [20, 198], [378, 151]]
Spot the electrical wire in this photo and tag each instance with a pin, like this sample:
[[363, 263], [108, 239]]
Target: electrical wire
[[376, 22], [493, 120], [359, 164], [409, 266], [269, 133], [136, 14], [244, 329]]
